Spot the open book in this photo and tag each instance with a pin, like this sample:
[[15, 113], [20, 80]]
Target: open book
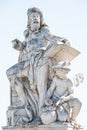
[[61, 52]]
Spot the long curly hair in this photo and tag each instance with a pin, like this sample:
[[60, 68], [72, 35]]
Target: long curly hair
[[33, 10]]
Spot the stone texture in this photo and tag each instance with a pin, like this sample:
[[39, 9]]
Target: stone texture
[[43, 127], [40, 91]]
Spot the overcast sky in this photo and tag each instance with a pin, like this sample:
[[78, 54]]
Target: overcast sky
[[66, 18]]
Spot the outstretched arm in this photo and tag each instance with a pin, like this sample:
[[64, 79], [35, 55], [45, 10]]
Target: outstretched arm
[[53, 39]]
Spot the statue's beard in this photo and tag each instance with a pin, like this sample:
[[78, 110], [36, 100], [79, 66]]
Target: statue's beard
[[35, 26]]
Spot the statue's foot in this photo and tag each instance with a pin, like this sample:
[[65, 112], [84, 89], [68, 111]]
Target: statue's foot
[[20, 124], [23, 121], [76, 125], [35, 122]]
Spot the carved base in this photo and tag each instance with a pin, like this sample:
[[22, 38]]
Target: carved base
[[53, 126]]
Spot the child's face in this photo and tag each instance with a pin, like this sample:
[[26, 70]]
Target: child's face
[[61, 71]]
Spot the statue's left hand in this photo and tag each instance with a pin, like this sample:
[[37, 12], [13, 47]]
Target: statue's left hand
[[48, 102], [65, 41]]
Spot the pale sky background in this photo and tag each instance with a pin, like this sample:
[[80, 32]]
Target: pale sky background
[[66, 18]]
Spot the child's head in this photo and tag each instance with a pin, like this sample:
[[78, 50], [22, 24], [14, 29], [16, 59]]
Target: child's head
[[60, 68]]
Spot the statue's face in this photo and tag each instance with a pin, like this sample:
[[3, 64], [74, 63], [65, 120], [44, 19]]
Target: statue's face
[[61, 72], [35, 21]]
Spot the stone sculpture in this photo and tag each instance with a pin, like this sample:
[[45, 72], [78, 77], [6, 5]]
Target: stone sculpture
[[40, 91], [60, 96]]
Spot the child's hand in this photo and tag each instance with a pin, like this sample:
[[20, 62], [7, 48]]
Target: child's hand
[[48, 102]]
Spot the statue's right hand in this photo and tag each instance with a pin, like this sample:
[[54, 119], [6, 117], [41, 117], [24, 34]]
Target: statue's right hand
[[15, 42], [48, 102]]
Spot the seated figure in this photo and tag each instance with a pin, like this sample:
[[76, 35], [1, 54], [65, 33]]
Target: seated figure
[[60, 103]]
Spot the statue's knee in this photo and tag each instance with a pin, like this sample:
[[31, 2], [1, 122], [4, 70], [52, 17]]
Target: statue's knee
[[11, 71], [8, 72], [78, 103]]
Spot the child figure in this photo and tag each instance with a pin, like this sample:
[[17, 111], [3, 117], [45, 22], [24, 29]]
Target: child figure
[[61, 95]]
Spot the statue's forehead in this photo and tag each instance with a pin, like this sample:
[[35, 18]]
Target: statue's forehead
[[35, 13]]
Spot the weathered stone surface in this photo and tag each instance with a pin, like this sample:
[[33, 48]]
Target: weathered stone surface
[[43, 127], [41, 92]]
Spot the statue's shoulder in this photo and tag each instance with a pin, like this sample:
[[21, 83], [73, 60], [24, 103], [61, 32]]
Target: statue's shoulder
[[26, 32], [45, 29], [70, 83]]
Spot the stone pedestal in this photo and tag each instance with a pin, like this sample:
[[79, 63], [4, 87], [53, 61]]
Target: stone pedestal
[[42, 127]]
